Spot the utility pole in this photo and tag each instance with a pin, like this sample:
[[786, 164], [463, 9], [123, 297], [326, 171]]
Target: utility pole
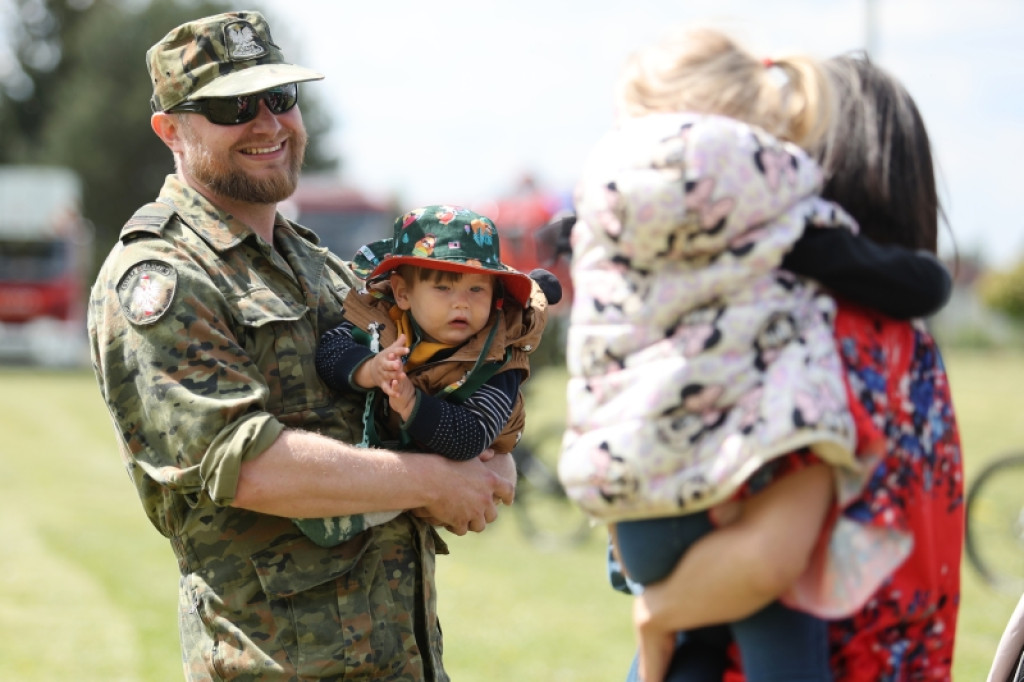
[[871, 29]]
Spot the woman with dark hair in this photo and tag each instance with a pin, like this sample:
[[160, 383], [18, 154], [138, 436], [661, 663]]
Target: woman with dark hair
[[878, 158], [879, 164]]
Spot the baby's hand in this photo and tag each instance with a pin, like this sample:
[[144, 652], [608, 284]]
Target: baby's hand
[[393, 380], [388, 365], [401, 396], [384, 367]]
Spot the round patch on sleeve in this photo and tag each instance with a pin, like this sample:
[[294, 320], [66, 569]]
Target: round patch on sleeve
[[146, 291]]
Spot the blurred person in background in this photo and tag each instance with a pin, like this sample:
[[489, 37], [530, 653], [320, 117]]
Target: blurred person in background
[[702, 369], [204, 322], [879, 165], [1008, 663]]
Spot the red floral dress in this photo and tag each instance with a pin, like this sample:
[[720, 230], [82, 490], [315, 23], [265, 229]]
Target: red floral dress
[[896, 374], [898, 386]]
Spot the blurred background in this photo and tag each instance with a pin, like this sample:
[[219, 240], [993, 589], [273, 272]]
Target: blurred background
[[493, 105], [486, 104]]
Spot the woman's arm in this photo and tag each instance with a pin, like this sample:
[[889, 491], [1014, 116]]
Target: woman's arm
[[745, 565]]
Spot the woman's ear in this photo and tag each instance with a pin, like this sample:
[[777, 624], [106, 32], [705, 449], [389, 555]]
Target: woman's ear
[[400, 290]]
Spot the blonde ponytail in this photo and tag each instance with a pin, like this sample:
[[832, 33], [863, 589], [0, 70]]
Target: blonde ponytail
[[705, 71], [807, 101]]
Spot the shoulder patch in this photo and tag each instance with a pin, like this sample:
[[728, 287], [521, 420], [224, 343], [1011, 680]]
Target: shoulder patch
[[150, 219], [146, 291]]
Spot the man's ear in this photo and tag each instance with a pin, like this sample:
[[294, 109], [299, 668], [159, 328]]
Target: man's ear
[[167, 128], [400, 290]]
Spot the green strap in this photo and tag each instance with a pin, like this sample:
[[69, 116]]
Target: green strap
[[372, 339], [477, 378], [481, 372]]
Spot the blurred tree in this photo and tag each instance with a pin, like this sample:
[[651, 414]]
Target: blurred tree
[[1003, 290], [27, 85], [88, 108]]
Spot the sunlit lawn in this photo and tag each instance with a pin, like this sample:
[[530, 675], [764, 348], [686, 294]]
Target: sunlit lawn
[[88, 589]]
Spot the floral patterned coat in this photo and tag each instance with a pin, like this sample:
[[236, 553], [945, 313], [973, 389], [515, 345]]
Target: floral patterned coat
[[693, 360]]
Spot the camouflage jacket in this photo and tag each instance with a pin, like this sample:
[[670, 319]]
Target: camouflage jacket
[[203, 339]]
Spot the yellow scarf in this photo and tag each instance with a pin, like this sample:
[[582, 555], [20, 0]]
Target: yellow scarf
[[420, 351]]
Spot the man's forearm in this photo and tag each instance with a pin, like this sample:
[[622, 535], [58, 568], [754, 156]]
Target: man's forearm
[[305, 475]]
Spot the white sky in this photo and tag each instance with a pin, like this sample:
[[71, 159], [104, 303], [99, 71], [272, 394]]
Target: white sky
[[452, 100]]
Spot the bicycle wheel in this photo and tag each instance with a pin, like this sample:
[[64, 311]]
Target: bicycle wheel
[[995, 523], [547, 517]]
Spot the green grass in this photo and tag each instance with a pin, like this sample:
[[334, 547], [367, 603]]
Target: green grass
[[88, 588]]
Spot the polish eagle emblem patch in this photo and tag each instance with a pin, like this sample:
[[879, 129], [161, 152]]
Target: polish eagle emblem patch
[[146, 291]]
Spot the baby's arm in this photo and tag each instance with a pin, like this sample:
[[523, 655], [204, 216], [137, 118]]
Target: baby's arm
[[346, 365], [894, 280], [338, 357], [463, 431]]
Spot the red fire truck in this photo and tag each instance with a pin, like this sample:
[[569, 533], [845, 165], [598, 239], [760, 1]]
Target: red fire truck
[[45, 253], [527, 240], [343, 217]]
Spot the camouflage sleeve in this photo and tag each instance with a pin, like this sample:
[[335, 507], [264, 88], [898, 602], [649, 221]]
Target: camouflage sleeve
[[187, 399]]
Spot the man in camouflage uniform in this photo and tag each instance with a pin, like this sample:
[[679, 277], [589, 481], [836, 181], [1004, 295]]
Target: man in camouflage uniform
[[203, 322]]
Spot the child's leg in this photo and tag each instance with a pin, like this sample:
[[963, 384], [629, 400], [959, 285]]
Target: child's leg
[[780, 644], [740, 568], [731, 573], [701, 655], [649, 551]]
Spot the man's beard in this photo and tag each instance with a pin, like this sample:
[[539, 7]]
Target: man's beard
[[225, 179]]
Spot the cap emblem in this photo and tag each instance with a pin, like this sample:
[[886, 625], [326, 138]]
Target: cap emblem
[[242, 40]]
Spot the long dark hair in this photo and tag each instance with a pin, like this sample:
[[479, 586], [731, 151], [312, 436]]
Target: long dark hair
[[878, 157]]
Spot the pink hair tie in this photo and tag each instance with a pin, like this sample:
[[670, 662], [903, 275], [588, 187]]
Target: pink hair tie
[[768, 62]]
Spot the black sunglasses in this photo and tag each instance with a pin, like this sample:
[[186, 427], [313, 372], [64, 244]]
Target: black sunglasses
[[229, 111]]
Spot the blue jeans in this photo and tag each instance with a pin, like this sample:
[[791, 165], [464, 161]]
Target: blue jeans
[[777, 644]]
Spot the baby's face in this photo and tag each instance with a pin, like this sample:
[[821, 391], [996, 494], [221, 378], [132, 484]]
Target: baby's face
[[451, 311]]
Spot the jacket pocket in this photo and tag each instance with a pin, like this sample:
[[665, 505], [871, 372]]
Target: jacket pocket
[[279, 336], [289, 569], [346, 611]]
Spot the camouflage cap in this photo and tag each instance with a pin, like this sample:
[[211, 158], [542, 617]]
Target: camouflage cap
[[220, 56], [443, 238]]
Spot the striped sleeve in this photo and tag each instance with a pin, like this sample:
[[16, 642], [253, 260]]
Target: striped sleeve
[[461, 432]]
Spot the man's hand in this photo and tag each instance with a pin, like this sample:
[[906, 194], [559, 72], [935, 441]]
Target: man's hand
[[470, 494], [504, 465]]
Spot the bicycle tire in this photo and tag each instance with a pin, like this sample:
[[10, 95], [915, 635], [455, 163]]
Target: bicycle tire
[[994, 538], [547, 517]]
